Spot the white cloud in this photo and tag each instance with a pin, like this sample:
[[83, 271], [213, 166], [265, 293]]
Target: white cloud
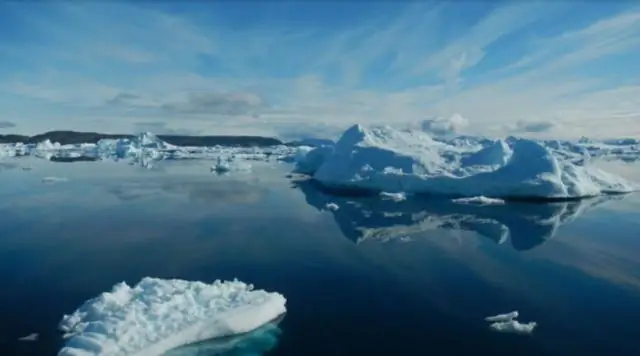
[[115, 66]]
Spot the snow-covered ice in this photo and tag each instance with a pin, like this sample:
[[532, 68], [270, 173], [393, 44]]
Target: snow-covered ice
[[385, 159], [158, 315], [481, 200]]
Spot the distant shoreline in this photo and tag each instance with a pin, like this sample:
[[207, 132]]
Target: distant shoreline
[[75, 137]]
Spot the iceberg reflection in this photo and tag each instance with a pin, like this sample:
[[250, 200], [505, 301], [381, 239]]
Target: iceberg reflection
[[526, 225], [254, 343]]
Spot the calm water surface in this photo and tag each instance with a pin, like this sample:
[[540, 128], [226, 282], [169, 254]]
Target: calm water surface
[[375, 277]]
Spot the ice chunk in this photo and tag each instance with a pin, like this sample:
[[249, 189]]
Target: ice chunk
[[158, 315], [385, 159], [503, 317], [230, 164], [481, 200], [514, 326], [332, 206]]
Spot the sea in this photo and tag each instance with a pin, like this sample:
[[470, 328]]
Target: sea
[[374, 276]]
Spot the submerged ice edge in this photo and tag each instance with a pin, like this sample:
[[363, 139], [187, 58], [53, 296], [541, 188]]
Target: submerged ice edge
[[158, 315], [387, 160]]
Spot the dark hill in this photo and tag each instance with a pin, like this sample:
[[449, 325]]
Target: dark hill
[[73, 137]]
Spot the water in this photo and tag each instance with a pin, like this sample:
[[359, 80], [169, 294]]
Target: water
[[372, 278]]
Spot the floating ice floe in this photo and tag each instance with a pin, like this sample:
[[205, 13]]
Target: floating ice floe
[[52, 179], [506, 323], [30, 337], [479, 201], [390, 160], [158, 315], [400, 196]]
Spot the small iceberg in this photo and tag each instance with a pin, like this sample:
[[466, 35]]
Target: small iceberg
[[159, 315], [383, 159], [506, 323]]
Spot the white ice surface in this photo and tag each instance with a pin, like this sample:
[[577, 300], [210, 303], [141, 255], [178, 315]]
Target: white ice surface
[[479, 201], [158, 315], [390, 160]]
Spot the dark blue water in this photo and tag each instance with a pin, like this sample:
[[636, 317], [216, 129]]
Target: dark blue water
[[372, 278]]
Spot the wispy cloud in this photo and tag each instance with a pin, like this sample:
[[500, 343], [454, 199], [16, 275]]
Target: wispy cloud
[[284, 69]]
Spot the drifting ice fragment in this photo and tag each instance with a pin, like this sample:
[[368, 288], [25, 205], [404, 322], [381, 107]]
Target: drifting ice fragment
[[332, 206], [503, 317], [158, 315], [514, 327]]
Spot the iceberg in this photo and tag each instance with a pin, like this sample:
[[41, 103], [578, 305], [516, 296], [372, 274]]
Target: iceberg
[[371, 219], [159, 315], [384, 159]]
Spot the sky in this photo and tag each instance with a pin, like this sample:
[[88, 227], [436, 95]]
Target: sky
[[312, 68]]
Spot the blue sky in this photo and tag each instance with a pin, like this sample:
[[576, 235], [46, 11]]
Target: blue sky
[[562, 69]]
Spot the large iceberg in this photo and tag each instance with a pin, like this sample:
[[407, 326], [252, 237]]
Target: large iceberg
[[159, 315], [390, 160]]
